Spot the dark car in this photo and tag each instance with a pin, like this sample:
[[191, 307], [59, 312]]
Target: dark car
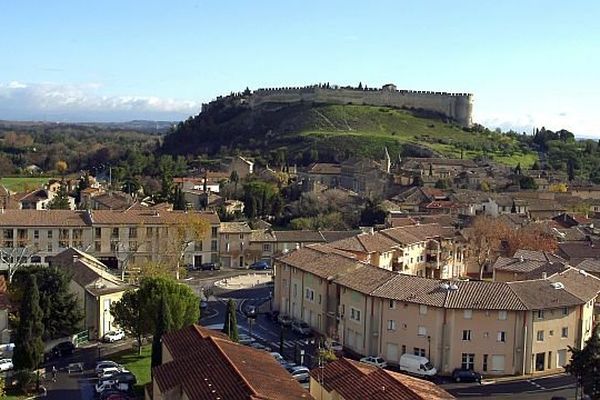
[[251, 312], [466, 375], [60, 350], [211, 266], [260, 266]]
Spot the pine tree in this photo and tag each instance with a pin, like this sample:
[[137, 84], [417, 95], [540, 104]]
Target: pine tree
[[61, 199], [29, 348], [230, 327], [164, 324], [571, 170], [585, 365], [518, 169]]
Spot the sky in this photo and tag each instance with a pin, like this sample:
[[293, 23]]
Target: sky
[[528, 63]]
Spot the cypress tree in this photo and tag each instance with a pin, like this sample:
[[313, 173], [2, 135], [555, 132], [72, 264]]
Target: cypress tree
[[230, 326], [164, 324], [29, 348]]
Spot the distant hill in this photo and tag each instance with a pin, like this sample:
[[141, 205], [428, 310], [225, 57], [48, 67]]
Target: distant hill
[[337, 132], [158, 127]]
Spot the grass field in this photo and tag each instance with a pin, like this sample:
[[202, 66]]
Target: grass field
[[23, 183], [138, 365], [367, 129]]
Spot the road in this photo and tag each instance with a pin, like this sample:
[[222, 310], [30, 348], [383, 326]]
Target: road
[[526, 388]]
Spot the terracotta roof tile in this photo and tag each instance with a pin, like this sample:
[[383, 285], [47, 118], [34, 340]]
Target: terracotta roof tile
[[298, 236]]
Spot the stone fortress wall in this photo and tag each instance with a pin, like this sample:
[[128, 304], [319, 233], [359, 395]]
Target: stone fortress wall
[[458, 106]]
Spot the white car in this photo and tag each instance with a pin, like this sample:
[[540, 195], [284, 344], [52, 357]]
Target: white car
[[278, 357], [6, 364], [114, 336], [376, 361], [300, 373], [110, 384], [334, 346], [102, 365], [110, 371]]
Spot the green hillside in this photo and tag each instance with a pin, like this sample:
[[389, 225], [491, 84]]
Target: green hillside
[[336, 132]]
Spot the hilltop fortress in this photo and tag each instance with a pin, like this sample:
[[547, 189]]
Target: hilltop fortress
[[457, 106]]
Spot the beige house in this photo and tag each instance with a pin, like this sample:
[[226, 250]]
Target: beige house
[[234, 238], [243, 167], [95, 287], [114, 237], [496, 328]]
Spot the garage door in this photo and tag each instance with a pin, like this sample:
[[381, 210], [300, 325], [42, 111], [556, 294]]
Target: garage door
[[498, 363], [392, 352], [562, 358]]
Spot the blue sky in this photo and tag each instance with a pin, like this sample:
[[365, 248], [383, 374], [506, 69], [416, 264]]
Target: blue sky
[[527, 62]]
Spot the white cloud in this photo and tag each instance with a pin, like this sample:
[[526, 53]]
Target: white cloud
[[83, 102]]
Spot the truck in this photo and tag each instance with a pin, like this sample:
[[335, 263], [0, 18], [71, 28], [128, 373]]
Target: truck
[[416, 365]]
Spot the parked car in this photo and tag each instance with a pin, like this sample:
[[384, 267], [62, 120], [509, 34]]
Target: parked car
[[191, 267], [300, 373], [376, 361], [211, 266], [260, 265], [284, 320], [60, 350], [416, 365], [105, 385], [245, 339], [7, 349], [114, 336], [6, 364], [277, 356], [101, 365], [110, 371], [466, 375], [259, 346], [301, 327]]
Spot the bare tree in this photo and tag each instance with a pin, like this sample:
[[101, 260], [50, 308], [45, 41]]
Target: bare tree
[[485, 237], [182, 235], [16, 257]]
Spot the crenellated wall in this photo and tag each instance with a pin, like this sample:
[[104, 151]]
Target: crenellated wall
[[458, 106]]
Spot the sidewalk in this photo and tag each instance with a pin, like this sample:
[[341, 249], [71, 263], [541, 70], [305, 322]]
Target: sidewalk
[[511, 378]]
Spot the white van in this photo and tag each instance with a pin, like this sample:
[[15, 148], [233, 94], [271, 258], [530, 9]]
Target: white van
[[416, 365]]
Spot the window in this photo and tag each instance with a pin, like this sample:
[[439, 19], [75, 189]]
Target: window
[[8, 234], [468, 314], [392, 304], [50, 247], [468, 361], [403, 349], [550, 332], [564, 332], [49, 234], [422, 309], [295, 289], [320, 299], [213, 245], [149, 231], [133, 233], [419, 352], [309, 295], [422, 331], [502, 336], [540, 336], [391, 325], [485, 362], [540, 314], [466, 334], [198, 245], [213, 232], [267, 247], [97, 247], [36, 234], [354, 314], [498, 363], [114, 233], [565, 311], [502, 315]]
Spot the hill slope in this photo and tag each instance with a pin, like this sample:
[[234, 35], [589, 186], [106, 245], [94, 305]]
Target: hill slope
[[337, 132]]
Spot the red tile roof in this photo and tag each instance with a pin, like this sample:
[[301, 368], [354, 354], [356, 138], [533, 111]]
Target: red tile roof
[[208, 366], [355, 381]]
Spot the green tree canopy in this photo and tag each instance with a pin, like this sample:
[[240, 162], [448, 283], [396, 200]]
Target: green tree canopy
[[585, 365], [61, 199], [61, 311], [136, 312], [29, 347]]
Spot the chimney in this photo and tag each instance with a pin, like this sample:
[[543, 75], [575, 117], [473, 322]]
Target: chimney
[[544, 275]]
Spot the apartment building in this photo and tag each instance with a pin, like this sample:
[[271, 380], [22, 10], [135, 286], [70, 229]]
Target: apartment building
[[234, 238], [135, 235], [429, 250], [496, 328]]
